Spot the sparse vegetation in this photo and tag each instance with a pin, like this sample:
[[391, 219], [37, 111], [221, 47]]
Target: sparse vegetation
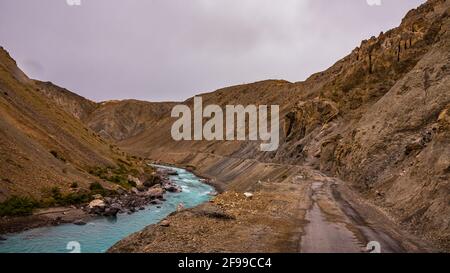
[[54, 197], [58, 156], [18, 206], [117, 175], [97, 188]]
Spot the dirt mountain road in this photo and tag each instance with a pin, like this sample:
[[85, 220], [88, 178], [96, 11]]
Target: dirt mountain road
[[309, 212]]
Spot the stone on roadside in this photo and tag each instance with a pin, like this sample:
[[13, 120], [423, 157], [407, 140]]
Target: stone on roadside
[[248, 195], [165, 223]]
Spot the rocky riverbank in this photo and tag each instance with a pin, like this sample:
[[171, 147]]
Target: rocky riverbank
[[136, 199]]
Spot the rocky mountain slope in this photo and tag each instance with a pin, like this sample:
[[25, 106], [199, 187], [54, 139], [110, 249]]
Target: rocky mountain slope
[[44, 144]]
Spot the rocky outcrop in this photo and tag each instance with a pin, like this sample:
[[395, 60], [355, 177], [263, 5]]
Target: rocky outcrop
[[307, 116], [134, 200], [72, 103]]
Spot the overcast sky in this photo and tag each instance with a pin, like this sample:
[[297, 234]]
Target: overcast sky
[[172, 49]]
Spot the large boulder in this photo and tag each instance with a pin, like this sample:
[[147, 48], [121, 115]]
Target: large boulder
[[156, 192], [171, 187], [111, 211], [96, 203], [97, 206]]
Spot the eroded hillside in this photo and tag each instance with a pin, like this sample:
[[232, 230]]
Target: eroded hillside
[[42, 145], [378, 119]]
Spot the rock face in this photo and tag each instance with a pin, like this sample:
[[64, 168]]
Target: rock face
[[97, 203]]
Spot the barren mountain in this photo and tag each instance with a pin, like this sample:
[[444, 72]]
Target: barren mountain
[[45, 144], [378, 119]]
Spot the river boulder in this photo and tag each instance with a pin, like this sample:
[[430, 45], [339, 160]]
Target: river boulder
[[171, 187], [96, 203], [156, 192], [79, 223], [96, 206]]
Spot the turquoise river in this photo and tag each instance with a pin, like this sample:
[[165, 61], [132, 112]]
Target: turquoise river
[[101, 233]]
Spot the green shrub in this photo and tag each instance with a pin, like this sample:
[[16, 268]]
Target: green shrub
[[74, 199], [132, 183], [58, 156], [47, 202], [54, 197], [56, 193], [18, 206], [117, 175], [96, 186]]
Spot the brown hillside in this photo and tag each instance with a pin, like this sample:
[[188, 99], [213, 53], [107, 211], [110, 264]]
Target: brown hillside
[[378, 118], [41, 145]]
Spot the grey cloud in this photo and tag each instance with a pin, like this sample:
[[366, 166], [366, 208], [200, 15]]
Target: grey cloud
[[173, 49]]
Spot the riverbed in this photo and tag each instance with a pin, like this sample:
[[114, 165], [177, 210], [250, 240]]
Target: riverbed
[[101, 233]]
